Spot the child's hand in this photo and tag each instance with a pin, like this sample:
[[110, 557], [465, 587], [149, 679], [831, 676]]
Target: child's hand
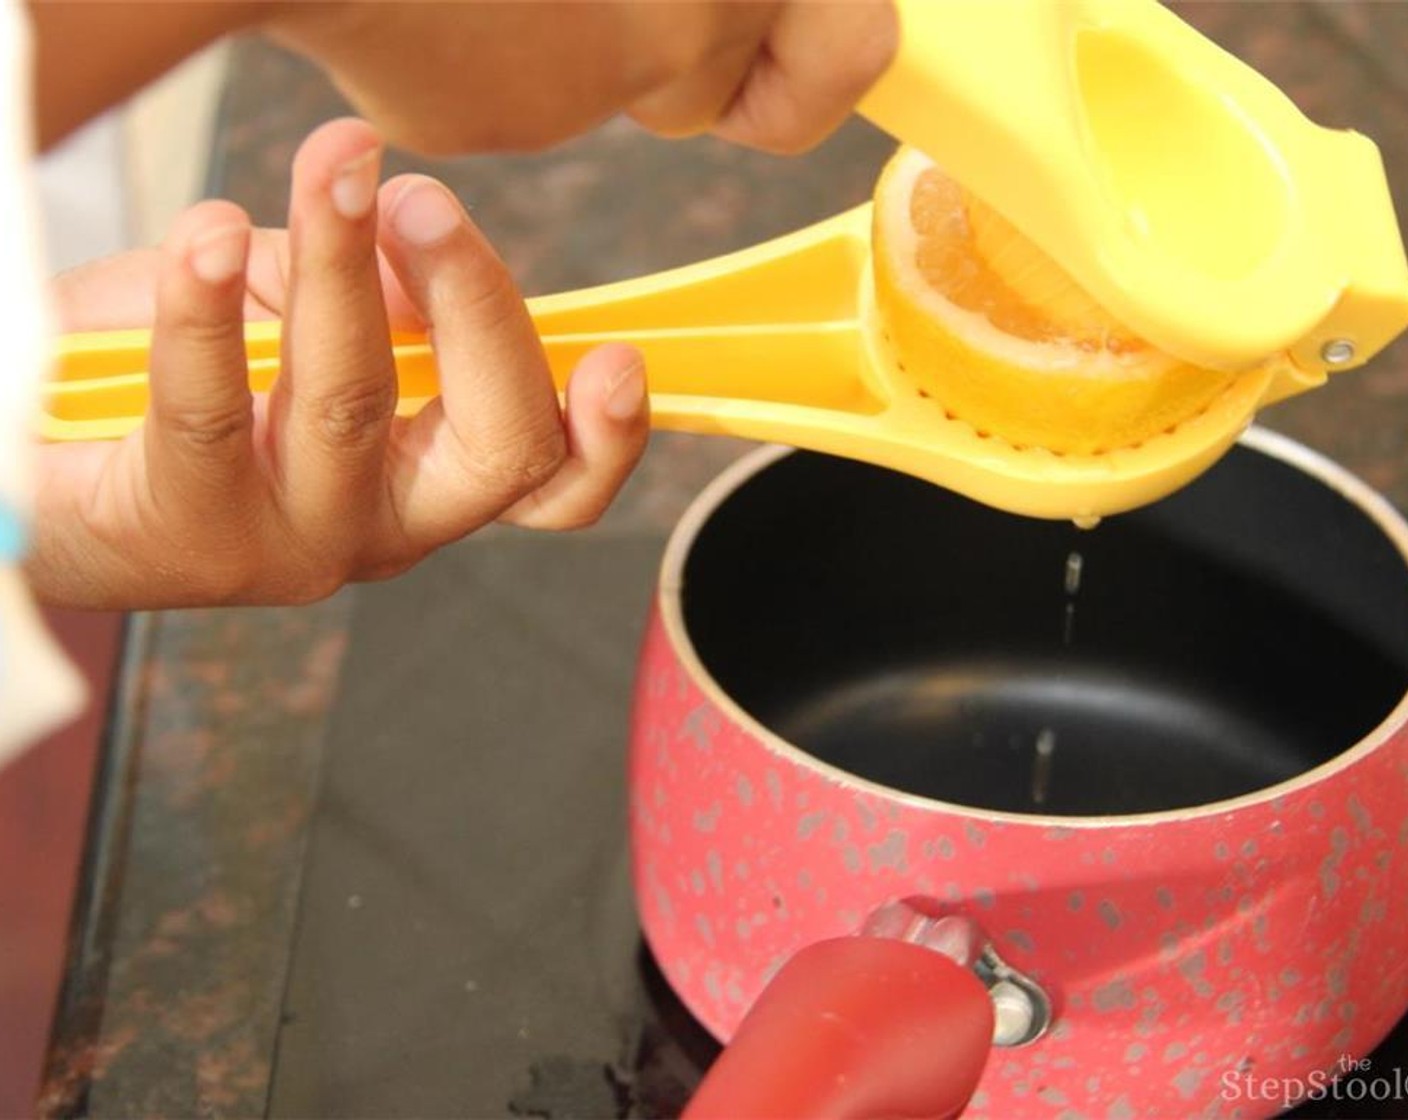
[[221, 498]]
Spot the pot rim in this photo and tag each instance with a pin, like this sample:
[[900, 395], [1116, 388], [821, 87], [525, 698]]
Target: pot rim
[[1318, 466]]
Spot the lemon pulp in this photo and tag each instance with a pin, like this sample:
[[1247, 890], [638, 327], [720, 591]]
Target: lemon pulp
[[997, 334]]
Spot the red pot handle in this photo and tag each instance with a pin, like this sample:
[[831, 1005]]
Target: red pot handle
[[857, 1028]]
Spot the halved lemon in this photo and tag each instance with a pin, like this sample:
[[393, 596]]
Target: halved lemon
[[1001, 337]]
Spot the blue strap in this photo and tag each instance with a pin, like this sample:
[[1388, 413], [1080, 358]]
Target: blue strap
[[13, 535]]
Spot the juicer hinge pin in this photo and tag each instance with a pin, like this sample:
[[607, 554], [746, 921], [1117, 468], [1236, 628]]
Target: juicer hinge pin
[[1337, 352]]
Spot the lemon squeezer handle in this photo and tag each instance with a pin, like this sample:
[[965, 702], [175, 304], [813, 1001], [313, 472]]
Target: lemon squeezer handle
[[748, 344], [707, 380]]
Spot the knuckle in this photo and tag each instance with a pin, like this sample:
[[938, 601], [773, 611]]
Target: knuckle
[[872, 51], [207, 428], [776, 124], [199, 328], [381, 570], [520, 466], [313, 590], [781, 142], [670, 56], [866, 64], [356, 414], [309, 582], [229, 584], [320, 564], [692, 37], [783, 129], [488, 296], [269, 565], [790, 135]]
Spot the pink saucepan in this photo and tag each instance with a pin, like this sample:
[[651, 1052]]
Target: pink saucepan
[[937, 809]]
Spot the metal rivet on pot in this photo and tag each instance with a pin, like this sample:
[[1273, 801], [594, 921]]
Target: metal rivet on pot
[[1013, 1013], [1337, 352]]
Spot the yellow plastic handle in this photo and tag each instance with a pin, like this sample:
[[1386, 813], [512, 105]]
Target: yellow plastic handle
[[779, 342], [1177, 185], [750, 344]]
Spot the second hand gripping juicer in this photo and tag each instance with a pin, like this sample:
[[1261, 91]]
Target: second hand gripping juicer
[[1175, 185]]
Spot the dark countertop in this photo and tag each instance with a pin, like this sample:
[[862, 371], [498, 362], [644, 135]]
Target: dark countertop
[[232, 749]]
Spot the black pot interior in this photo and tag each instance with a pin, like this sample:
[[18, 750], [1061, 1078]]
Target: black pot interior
[[1238, 633]]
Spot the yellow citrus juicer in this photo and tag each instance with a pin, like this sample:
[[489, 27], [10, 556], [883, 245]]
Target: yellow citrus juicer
[[1174, 184]]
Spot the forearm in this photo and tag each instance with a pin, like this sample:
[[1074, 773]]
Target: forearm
[[90, 56], [442, 77]]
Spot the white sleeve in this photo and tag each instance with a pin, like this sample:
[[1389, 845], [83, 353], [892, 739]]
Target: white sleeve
[[38, 687], [22, 293]]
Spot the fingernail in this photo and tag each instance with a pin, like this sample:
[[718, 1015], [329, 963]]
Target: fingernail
[[425, 213], [354, 186], [625, 392], [219, 254]]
